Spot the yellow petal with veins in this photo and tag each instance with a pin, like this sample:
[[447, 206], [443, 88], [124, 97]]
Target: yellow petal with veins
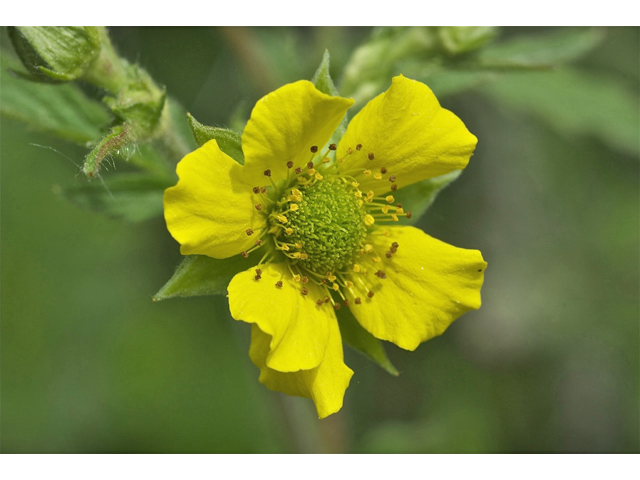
[[429, 284], [411, 135], [298, 328], [211, 208], [285, 124]]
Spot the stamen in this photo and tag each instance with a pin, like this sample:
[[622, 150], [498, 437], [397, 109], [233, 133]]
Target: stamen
[[298, 170], [259, 206], [289, 164], [244, 254], [333, 146], [257, 277], [369, 220], [314, 149], [304, 291], [249, 232], [370, 294], [392, 178], [371, 157], [383, 170], [394, 187], [359, 147], [279, 284], [358, 301]]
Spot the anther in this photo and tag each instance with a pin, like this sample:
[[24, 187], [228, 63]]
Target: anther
[[326, 299], [289, 164], [259, 242], [383, 170], [267, 173], [392, 178], [359, 147], [249, 232], [381, 274], [258, 271], [367, 172], [259, 206], [349, 150], [304, 291], [358, 301], [296, 277], [333, 146], [370, 294], [336, 306], [318, 176], [279, 284], [309, 165], [371, 157], [399, 205], [256, 190], [409, 214], [394, 187], [304, 280], [298, 170], [314, 149], [369, 220], [244, 254], [263, 190], [346, 303], [395, 244], [257, 277], [389, 198], [377, 176], [289, 231], [319, 302], [388, 254]]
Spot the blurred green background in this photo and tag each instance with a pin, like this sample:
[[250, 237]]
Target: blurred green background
[[550, 363]]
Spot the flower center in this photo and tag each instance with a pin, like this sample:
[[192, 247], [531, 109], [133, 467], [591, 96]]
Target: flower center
[[329, 224]]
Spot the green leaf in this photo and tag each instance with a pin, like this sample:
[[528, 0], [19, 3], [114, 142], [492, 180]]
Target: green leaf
[[362, 341], [576, 103], [418, 197], [323, 82], [61, 110], [200, 275], [132, 197], [541, 51], [230, 142]]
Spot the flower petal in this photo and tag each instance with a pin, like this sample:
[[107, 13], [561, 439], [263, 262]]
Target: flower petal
[[409, 134], [211, 208], [428, 285], [298, 327], [285, 124], [325, 384]]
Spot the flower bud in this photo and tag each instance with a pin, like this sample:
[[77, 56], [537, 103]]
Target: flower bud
[[57, 54], [456, 40]]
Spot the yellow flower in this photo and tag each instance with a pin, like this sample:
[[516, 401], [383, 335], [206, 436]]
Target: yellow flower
[[402, 285]]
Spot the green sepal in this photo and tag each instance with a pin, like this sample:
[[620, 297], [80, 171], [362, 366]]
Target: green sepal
[[62, 53], [323, 82], [230, 142], [354, 335], [419, 196], [199, 275], [132, 197], [61, 110], [322, 78]]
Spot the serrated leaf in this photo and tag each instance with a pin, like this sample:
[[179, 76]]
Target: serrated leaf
[[576, 103], [201, 275], [418, 197], [541, 51], [230, 142], [61, 110], [354, 335], [323, 82], [132, 197]]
